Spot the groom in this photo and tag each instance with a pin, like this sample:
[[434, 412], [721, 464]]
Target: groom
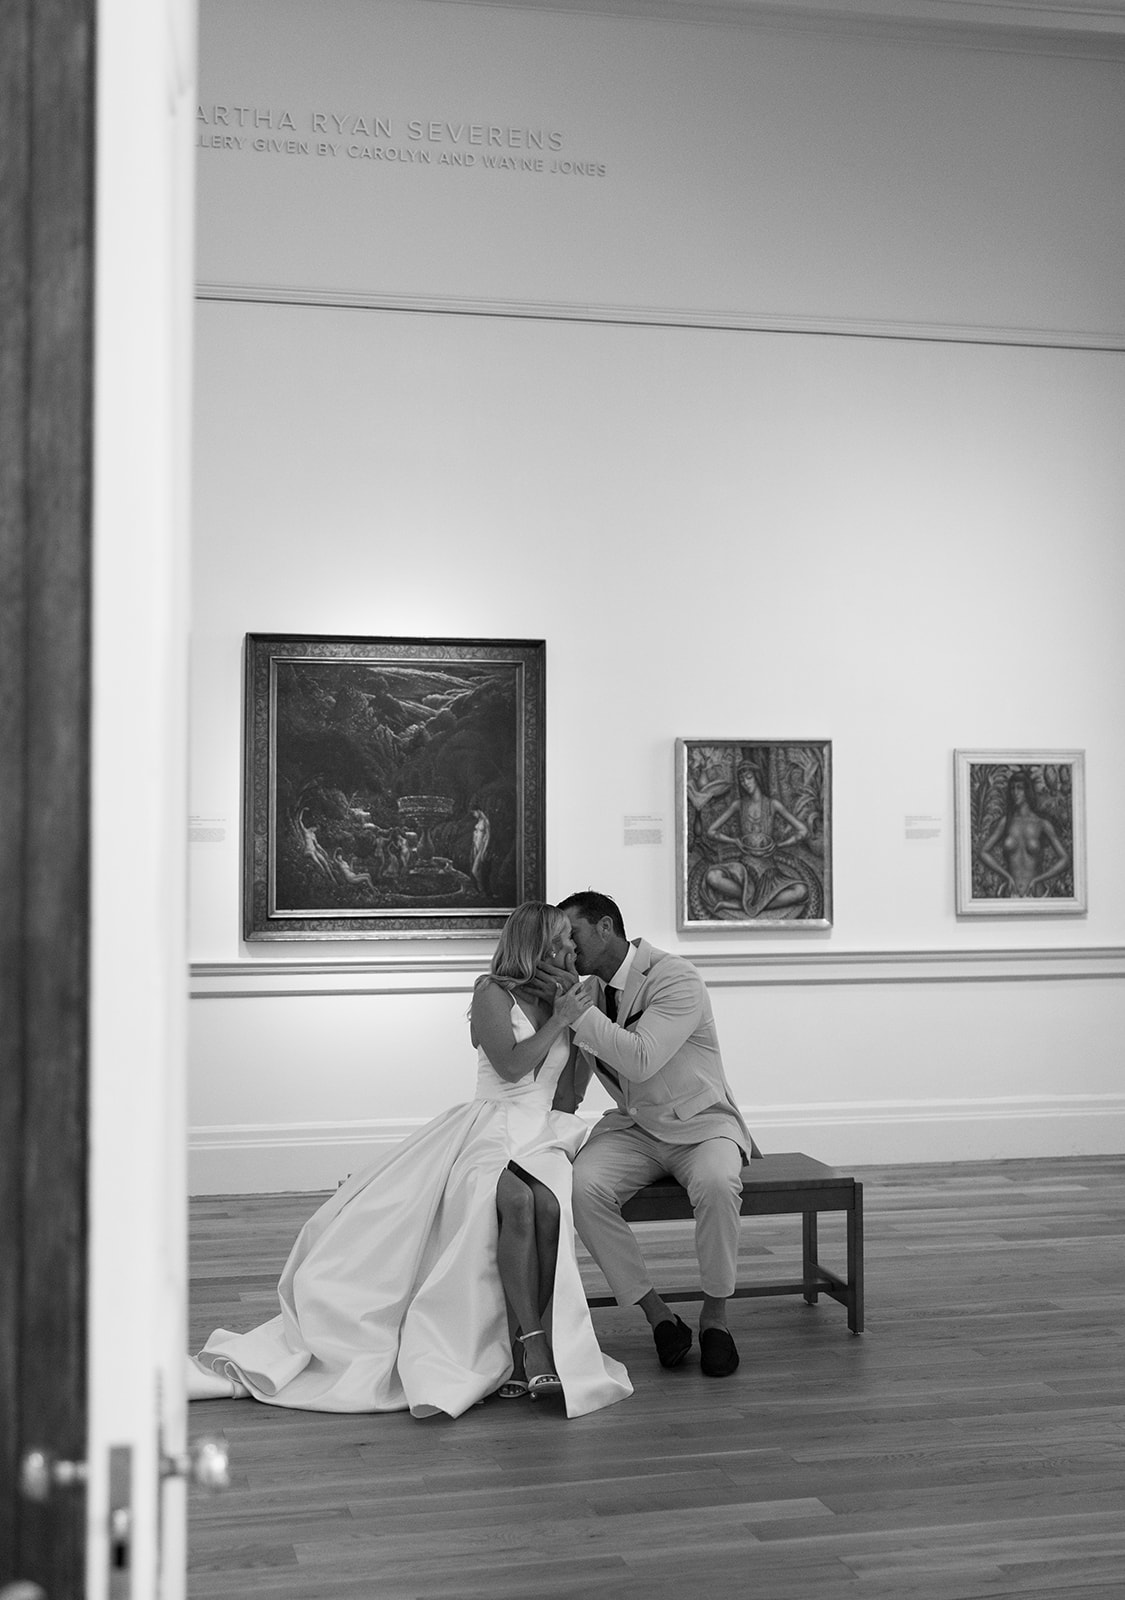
[[657, 1053]]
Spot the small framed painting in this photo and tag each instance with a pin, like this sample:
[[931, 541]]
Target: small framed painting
[[753, 833], [393, 787], [1020, 832]]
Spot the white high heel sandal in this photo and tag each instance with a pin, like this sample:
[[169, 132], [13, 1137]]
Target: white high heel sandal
[[547, 1382]]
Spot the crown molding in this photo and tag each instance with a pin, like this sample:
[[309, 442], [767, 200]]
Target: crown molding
[[825, 325], [1054, 27]]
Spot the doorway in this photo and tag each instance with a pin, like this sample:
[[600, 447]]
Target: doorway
[[95, 240]]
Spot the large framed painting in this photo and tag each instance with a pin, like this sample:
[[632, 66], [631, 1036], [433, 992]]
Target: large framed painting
[[393, 787], [753, 833], [1020, 832]]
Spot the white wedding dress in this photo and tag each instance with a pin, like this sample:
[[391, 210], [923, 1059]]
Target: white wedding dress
[[391, 1296]]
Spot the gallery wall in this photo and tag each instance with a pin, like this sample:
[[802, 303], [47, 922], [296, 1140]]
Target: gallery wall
[[880, 500]]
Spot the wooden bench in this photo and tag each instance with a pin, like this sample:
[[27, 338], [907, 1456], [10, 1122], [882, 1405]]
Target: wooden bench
[[774, 1186]]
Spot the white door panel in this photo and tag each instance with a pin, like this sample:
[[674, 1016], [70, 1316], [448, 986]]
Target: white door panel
[[137, 1321]]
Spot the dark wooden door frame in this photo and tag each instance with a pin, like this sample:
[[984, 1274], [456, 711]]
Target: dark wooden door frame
[[46, 404]]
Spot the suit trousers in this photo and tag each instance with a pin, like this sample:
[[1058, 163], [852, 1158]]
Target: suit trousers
[[613, 1165]]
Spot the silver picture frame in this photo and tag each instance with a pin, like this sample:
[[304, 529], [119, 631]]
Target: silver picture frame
[[1020, 832], [753, 834]]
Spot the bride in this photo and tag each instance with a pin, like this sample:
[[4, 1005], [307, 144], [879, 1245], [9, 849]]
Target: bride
[[445, 1271]]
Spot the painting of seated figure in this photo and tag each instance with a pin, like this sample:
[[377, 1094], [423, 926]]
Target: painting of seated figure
[[754, 832]]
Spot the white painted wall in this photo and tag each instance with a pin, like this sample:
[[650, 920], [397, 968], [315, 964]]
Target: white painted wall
[[905, 546], [747, 171]]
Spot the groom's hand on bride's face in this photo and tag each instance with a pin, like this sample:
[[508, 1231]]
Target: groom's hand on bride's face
[[550, 979]]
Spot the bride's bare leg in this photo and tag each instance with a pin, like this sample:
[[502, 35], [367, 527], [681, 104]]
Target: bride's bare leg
[[513, 1340], [518, 1262], [547, 1220]]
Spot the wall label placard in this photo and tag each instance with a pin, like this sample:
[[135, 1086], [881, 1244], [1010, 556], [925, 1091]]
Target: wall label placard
[[919, 825], [207, 828], [642, 828]]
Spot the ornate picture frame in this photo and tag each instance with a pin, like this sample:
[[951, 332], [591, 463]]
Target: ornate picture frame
[[393, 787], [1020, 832], [753, 834]]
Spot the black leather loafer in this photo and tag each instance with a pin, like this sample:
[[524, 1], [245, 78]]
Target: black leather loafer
[[673, 1341], [717, 1354]]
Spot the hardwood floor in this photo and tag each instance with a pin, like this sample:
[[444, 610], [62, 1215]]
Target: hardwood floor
[[970, 1443]]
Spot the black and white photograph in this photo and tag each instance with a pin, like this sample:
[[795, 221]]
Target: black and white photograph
[[562, 734]]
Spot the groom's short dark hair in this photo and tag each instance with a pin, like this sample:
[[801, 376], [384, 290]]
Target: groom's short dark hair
[[592, 907]]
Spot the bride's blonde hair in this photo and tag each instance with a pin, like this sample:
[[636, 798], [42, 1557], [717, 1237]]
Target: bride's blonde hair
[[524, 940]]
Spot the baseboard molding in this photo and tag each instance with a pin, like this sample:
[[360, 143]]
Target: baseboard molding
[[274, 1158], [880, 1133]]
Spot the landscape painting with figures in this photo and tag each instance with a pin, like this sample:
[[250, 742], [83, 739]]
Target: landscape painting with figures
[[394, 787], [754, 833]]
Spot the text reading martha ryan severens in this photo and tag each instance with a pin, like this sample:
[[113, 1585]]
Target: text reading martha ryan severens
[[412, 141]]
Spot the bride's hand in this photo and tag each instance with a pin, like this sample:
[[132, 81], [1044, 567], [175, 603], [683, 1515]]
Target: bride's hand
[[570, 1004]]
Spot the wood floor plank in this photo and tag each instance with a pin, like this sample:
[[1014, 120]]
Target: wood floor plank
[[970, 1444]]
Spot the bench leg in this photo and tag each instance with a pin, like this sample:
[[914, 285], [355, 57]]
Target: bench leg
[[809, 1256], [855, 1262]]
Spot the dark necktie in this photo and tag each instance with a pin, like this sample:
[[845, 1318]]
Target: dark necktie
[[611, 1013]]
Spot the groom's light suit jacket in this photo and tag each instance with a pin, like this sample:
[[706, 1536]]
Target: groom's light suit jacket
[[665, 1072]]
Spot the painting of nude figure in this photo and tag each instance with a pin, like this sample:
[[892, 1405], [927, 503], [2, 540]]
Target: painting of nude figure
[[753, 833], [394, 787], [1020, 832]]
